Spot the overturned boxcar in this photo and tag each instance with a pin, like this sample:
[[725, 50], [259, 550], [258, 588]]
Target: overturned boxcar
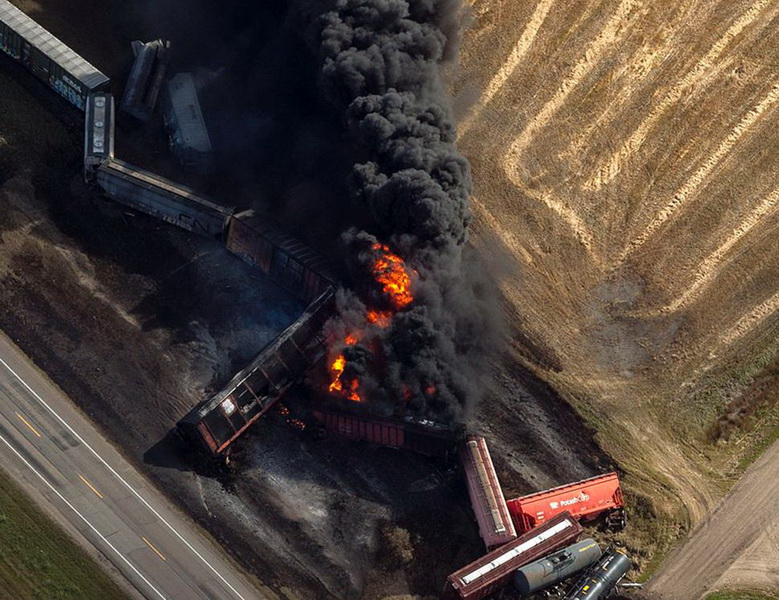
[[216, 423], [489, 506]]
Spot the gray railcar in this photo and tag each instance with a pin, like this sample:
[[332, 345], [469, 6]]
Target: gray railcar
[[146, 77], [600, 581], [48, 58], [98, 132], [187, 133], [162, 198], [553, 569]]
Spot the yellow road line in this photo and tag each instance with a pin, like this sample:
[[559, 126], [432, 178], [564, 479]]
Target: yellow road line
[[26, 422], [150, 545], [91, 487]]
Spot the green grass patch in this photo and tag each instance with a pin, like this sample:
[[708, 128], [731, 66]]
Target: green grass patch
[[742, 595], [38, 560]]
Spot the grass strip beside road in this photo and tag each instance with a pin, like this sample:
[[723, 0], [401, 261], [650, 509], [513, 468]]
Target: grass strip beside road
[[39, 560]]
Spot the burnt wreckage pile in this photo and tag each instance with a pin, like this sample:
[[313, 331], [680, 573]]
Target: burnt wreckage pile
[[530, 540]]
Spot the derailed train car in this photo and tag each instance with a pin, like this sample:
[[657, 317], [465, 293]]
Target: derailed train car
[[601, 580], [489, 506], [407, 433], [50, 60], [216, 423], [283, 258], [556, 567], [99, 132], [161, 198], [146, 76], [493, 571], [585, 499]]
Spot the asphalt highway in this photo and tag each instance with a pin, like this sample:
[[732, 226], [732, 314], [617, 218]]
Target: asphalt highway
[[50, 446]]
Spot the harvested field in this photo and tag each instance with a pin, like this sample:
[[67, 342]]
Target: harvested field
[[624, 165]]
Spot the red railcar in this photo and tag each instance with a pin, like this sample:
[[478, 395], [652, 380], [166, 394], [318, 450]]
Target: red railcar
[[410, 433], [493, 571], [584, 499], [495, 525]]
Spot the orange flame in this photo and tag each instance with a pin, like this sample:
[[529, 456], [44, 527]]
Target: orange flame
[[337, 385], [380, 318], [390, 271], [337, 369], [395, 278]]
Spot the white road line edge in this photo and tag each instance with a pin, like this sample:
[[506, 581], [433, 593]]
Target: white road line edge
[[82, 517], [120, 478]]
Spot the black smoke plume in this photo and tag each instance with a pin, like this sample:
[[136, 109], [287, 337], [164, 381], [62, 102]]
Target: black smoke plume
[[381, 63]]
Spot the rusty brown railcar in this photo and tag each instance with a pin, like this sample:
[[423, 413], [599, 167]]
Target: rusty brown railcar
[[285, 259]]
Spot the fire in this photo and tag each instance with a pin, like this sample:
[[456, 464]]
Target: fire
[[337, 369], [395, 278], [337, 384], [391, 272], [380, 318]]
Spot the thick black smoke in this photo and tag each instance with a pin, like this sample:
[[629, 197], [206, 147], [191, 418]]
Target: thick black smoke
[[381, 67]]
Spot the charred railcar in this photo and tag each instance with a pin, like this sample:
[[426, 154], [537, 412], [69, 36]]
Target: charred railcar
[[214, 424], [285, 259], [408, 433], [162, 198], [487, 501], [586, 499], [47, 57], [493, 571]]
